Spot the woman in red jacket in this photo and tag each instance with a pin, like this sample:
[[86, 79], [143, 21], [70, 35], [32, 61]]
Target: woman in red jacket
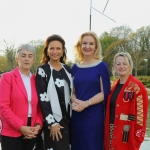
[[19, 110], [127, 108]]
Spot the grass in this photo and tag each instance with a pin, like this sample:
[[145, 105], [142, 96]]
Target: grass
[[148, 124]]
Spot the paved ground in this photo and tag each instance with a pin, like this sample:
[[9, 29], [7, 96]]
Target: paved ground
[[145, 145]]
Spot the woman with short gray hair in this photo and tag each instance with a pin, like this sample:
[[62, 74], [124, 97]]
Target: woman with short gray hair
[[27, 47], [20, 113]]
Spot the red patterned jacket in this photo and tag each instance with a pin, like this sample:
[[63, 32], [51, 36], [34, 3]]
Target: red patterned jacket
[[130, 116]]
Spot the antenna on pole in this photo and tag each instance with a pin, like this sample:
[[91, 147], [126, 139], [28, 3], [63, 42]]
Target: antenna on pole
[[104, 14], [99, 12], [105, 6]]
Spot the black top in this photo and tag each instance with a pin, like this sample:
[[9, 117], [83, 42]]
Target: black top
[[42, 79], [113, 102]]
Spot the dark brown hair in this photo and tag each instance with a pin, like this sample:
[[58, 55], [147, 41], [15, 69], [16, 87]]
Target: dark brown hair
[[54, 37]]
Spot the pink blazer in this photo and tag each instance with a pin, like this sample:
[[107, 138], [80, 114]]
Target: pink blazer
[[14, 104]]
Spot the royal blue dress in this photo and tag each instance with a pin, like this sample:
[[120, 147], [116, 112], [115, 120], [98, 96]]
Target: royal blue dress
[[87, 126]]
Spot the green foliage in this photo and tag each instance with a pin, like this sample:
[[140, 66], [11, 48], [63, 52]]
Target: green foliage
[[9, 53], [3, 64], [118, 39], [39, 46], [106, 40], [8, 60], [144, 79], [148, 122], [124, 39], [114, 48]]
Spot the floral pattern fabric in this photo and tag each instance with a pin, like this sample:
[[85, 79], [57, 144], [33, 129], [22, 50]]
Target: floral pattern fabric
[[54, 101]]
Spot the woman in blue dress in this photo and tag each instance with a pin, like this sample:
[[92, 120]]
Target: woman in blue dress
[[91, 87]]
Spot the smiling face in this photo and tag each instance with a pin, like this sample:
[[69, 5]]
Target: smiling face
[[88, 45], [122, 66], [55, 50], [25, 60]]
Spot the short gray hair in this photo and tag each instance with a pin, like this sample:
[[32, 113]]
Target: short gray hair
[[25, 47]]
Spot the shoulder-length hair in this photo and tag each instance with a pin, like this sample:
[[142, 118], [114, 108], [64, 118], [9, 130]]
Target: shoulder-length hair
[[77, 47], [54, 37]]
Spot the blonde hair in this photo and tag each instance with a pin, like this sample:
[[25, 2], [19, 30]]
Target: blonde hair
[[77, 47], [128, 59]]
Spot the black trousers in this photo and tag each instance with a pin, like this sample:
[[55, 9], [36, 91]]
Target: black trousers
[[39, 142], [17, 143]]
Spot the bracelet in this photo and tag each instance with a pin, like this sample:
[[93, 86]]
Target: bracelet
[[89, 102]]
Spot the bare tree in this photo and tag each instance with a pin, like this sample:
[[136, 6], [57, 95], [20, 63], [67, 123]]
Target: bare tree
[[9, 53]]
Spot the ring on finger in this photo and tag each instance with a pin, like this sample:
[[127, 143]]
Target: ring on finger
[[53, 134]]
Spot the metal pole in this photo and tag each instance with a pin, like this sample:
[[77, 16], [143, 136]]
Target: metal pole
[[146, 68], [146, 61], [90, 13]]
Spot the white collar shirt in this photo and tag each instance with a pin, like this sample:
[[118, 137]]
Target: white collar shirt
[[27, 83]]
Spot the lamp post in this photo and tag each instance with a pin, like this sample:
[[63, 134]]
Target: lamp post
[[145, 66]]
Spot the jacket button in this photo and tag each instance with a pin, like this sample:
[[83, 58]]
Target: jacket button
[[116, 116], [117, 105]]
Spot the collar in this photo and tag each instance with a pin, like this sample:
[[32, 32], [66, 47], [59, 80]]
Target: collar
[[24, 75]]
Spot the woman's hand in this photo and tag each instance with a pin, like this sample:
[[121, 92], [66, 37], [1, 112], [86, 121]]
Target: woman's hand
[[55, 132], [75, 106], [29, 132], [36, 129], [79, 105]]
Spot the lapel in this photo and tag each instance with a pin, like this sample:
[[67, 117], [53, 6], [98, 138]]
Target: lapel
[[33, 88], [113, 86], [19, 82]]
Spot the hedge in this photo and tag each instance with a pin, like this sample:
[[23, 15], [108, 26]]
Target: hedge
[[144, 79]]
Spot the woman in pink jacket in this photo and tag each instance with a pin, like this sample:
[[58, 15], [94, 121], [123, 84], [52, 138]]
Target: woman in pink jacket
[[19, 110]]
